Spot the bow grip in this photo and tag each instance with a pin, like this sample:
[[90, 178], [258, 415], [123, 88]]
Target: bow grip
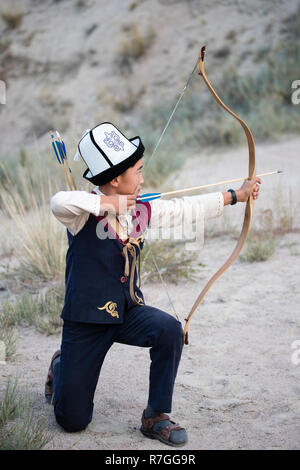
[[202, 53], [186, 338]]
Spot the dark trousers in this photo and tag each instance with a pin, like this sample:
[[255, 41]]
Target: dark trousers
[[83, 349]]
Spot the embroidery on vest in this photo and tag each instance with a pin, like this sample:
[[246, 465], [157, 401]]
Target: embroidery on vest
[[140, 301], [110, 307]]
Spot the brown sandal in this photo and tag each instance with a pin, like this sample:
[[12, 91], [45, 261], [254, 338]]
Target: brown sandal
[[49, 380], [164, 434]]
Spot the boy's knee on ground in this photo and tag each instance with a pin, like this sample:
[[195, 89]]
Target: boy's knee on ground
[[72, 422]]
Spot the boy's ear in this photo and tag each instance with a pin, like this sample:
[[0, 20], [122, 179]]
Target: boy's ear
[[115, 182]]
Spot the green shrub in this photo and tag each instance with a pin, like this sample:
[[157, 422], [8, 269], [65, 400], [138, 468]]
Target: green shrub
[[133, 45], [170, 260], [259, 249], [12, 18], [40, 311], [20, 427]]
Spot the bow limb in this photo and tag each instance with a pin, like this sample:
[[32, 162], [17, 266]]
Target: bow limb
[[249, 206]]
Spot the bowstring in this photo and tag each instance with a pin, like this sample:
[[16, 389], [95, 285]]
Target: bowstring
[[147, 163], [162, 281], [160, 275], [172, 113]]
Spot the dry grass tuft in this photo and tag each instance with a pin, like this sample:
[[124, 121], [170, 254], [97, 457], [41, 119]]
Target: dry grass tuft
[[133, 45], [12, 18], [20, 427], [40, 239]]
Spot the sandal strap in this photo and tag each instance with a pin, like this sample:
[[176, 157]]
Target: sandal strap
[[165, 433], [50, 375], [148, 423]]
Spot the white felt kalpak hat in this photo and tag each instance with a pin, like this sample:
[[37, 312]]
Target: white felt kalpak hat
[[107, 153]]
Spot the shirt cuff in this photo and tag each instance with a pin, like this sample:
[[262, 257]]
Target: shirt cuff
[[213, 204]]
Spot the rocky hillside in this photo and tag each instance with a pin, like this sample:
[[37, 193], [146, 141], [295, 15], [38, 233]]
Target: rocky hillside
[[70, 64]]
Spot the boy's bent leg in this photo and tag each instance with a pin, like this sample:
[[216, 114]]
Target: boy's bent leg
[[83, 350], [148, 326]]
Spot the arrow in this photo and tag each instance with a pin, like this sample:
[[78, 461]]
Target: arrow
[[58, 152], [152, 196], [64, 153]]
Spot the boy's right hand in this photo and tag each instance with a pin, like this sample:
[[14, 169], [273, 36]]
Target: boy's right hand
[[118, 204]]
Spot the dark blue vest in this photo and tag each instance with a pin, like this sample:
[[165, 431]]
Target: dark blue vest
[[96, 289]]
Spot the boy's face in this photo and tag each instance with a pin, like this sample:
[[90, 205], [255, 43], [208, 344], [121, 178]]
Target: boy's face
[[131, 181]]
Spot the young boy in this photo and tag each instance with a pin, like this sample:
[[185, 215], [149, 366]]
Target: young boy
[[103, 302]]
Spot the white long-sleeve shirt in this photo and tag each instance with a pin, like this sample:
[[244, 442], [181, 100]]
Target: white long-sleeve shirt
[[72, 209]]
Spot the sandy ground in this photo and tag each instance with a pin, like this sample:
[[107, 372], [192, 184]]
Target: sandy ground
[[237, 387]]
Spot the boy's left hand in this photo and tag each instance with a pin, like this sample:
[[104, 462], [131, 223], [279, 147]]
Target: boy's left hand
[[250, 187]]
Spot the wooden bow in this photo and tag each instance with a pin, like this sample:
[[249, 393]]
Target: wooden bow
[[249, 206]]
